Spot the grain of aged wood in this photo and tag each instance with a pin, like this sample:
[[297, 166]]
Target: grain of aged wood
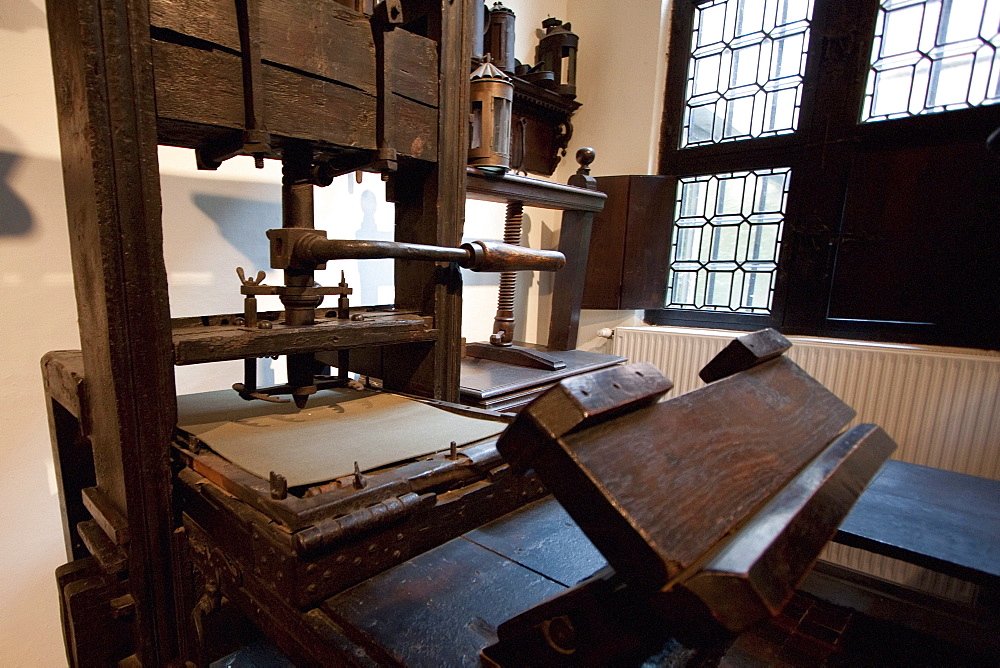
[[414, 130], [316, 38], [657, 488], [112, 558], [196, 344], [412, 62], [103, 68], [62, 373], [319, 38], [213, 21], [744, 353], [942, 520], [430, 209], [755, 572], [298, 106], [441, 607]]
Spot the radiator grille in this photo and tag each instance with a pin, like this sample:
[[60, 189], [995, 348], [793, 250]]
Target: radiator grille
[[940, 405]]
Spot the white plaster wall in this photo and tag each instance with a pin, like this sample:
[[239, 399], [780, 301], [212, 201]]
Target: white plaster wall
[[621, 70], [213, 223], [37, 314]]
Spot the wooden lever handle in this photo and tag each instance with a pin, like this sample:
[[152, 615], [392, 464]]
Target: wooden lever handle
[[292, 247], [496, 256]]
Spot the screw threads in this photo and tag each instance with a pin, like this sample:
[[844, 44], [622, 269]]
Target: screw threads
[[512, 236], [512, 224]]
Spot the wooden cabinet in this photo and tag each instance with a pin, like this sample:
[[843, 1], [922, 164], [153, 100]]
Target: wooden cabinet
[[630, 243]]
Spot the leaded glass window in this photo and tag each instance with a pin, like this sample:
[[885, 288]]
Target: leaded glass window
[[745, 72], [933, 55], [727, 234]]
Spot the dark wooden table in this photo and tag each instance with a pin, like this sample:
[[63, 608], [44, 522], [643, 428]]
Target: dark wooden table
[[444, 606], [948, 522]]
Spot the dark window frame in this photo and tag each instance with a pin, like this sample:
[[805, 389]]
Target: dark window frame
[[828, 144]]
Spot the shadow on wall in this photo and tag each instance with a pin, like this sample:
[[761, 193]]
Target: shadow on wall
[[15, 217], [243, 223], [371, 273], [22, 17]]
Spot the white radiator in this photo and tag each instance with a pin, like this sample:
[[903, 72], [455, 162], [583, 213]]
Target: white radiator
[[940, 405]]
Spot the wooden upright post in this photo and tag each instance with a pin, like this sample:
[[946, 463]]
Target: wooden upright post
[[574, 243], [107, 123], [430, 209]]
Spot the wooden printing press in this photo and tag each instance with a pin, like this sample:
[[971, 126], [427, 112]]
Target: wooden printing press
[[382, 526]]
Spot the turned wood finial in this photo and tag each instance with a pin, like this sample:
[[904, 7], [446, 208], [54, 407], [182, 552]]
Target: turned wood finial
[[585, 156], [582, 178]]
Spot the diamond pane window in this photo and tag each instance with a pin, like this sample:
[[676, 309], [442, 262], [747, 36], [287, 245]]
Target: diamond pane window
[[727, 234], [745, 74], [933, 55]]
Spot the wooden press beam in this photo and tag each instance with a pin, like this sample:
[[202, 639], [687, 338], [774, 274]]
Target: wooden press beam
[[102, 60]]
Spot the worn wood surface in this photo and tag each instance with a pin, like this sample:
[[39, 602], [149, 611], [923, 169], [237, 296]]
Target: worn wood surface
[[412, 66], [948, 522], [756, 571], [318, 75], [112, 559], [543, 538], [656, 488], [440, 608], [413, 129], [72, 451], [314, 109], [62, 376], [103, 69], [745, 352], [195, 343], [583, 400], [301, 577], [93, 636], [107, 515], [213, 21], [532, 192], [575, 403], [297, 106], [318, 38], [430, 209]]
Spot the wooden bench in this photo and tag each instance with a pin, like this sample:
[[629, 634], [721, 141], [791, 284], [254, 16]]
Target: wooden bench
[[944, 521]]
